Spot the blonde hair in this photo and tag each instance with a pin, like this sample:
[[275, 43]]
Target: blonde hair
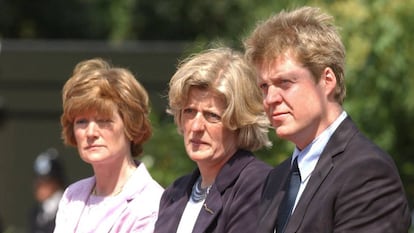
[[97, 86], [225, 72], [309, 35]]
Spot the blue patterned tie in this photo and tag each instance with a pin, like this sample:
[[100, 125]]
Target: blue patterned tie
[[286, 206]]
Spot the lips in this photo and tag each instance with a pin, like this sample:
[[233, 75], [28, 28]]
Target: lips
[[278, 117], [278, 114], [92, 147], [276, 111], [197, 142]]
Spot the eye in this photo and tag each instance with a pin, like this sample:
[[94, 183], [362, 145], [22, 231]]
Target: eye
[[104, 120], [188, 110], [263, 86], [285, 83], [80, 121], [189, 113], [212, 117]]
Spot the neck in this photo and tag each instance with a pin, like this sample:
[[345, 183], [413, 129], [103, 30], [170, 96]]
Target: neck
[[210, 170], [110, 180], [313, 131], [207, 176]]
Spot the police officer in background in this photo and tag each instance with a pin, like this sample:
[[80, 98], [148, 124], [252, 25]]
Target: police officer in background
[[49, 184]]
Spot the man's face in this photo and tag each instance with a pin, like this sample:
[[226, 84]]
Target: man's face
[[294, 102]]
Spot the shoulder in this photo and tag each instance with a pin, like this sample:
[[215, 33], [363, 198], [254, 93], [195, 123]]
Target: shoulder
[[142, 180], [364, 155], [370, 184], [256, 168], [181, 183], [142, 190], [253, 174], [244, 161], [179, 188], [79, 188], [349, 147]]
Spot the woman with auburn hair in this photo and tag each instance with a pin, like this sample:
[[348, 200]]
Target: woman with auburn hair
[[105, 116]]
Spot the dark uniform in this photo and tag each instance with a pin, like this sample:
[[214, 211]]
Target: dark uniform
[[49, 185]]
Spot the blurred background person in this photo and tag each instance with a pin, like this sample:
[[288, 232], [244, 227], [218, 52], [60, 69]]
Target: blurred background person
[[106, 116], [49, 184], [218, 109]]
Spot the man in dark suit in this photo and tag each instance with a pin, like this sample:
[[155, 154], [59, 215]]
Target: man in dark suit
[[343, 181]]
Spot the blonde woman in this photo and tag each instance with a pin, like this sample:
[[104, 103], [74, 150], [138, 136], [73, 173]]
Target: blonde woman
[[217, 107]]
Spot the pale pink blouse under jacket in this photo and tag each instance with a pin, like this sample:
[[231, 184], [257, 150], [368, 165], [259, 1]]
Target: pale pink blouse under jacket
[[135, 209]]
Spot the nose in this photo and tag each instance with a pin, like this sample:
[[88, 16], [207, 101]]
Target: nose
[[273, 96], [198, 122], [91, 129]]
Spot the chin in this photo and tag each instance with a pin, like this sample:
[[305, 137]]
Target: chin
[[199, 156], [282, 133]]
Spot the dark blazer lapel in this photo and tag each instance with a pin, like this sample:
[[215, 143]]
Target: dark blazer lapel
[[322, 169], [273, 194], [213, 203], [177, 201], [335, 146], [211, 208], [175, 211]]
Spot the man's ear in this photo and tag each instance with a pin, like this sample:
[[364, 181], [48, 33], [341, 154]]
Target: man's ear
[[328, 81]]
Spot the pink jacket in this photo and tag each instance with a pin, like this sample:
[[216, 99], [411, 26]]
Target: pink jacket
[[135, 209]]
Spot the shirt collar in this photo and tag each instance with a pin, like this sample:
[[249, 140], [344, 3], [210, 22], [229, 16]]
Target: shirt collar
[[309, 156]]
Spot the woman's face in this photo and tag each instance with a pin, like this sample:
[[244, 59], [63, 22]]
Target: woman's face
[[206, 140], [101, 139]]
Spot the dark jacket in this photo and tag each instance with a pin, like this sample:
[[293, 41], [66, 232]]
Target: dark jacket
[[38, 223], [231, 205], [355, 187]]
